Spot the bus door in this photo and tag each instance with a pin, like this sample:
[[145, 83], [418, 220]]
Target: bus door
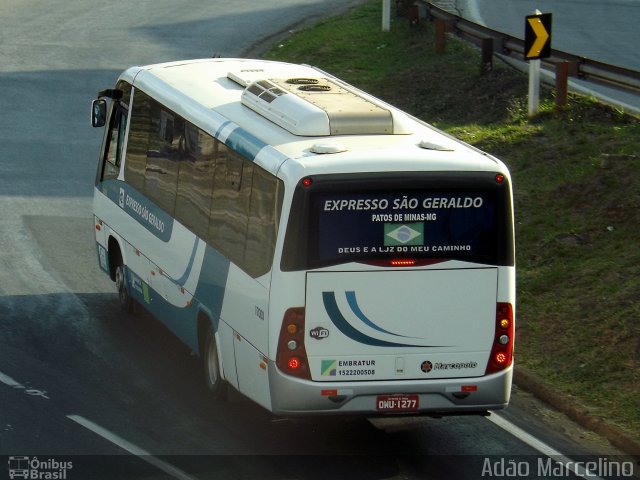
[[114, 142]]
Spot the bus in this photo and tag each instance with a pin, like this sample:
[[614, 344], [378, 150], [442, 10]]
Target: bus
[[321, 251]]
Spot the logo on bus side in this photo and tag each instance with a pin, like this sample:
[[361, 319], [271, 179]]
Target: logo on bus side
[[426, 366], [319, 333]]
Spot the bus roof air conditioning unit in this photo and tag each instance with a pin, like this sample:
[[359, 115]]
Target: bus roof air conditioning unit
[[317, 107]]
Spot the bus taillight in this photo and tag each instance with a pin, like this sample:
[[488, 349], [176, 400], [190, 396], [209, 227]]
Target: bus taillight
[[291, 357], [405, 262], [502, 350], [294, 363]]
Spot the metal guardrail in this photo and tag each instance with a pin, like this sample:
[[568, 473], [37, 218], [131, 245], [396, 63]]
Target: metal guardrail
[[501, 43]]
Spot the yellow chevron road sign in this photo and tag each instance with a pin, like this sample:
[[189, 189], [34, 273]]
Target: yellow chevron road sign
[[537, 36]]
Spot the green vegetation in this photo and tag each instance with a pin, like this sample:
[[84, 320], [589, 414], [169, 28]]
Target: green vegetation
[[577, 186]]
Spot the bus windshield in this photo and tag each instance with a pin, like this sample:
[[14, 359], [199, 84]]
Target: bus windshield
[[419, 218]]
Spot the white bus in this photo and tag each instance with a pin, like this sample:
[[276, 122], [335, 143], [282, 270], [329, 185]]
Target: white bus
[[322, 251]]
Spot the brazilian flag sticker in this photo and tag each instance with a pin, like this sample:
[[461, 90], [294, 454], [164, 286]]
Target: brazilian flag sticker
[[329, 368], [403, 234]]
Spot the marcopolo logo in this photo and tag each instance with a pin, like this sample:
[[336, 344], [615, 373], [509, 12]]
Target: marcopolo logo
[[427, 366], [38, 469]]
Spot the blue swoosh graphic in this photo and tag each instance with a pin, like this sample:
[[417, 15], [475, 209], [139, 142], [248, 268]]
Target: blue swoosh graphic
[[331, 306], [353, 303], [185, 276]]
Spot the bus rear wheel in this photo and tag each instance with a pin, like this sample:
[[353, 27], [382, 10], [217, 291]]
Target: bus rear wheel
[[214, 383], [127, 304]]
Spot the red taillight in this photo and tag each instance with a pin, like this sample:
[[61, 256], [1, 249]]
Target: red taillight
[[502, 350], [294, 363], [307, 181], [404, 262], [501, 358], [407, 262], [291, 357]]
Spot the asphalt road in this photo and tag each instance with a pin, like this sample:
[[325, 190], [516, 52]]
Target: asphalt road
[[601, 30], [118, 396]]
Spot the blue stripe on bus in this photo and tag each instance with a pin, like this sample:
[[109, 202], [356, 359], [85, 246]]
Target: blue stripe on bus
[[244, 143], [185, 276], [353, 303], [222, 127], [210, 289], [208, 298], [213, 282], [331, 306], [139, 207]]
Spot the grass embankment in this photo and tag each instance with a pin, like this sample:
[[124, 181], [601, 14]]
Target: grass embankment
[[577, 195]]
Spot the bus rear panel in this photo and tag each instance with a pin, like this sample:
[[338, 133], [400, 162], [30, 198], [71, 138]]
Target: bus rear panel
[[407, 305]]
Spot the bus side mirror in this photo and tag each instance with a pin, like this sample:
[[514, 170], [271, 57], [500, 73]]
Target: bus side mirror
[[98, 112]]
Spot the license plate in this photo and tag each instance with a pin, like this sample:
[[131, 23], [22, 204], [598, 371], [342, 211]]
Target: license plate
[[397, 403]]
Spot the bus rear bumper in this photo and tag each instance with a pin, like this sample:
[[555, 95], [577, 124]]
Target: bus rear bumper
[[294, 396]]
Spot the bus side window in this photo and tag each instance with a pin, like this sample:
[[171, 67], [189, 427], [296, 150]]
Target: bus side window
[[195, 180], [264, 215], [230, 204], [113, 153], [165, 150]]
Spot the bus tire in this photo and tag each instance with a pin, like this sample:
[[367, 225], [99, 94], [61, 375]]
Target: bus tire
[[214, 382], [127, 304]]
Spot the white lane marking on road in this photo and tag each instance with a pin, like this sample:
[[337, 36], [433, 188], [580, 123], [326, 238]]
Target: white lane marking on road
[[540, 446], [7, 380], [34, 392], [131, 448]]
